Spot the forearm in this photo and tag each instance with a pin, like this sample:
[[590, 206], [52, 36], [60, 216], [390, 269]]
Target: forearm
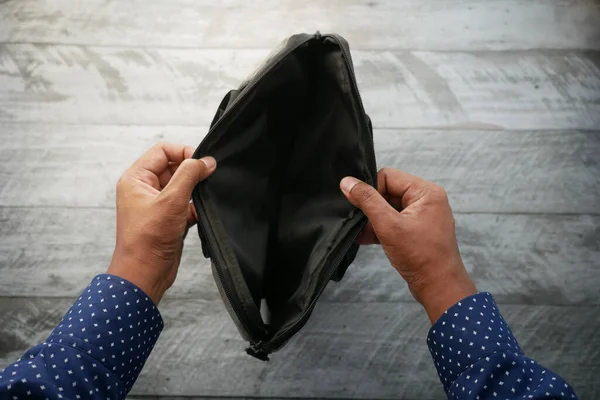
[[97, 350], [477, 356]]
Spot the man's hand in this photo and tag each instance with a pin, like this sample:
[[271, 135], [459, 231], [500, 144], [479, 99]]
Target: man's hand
[[153, 215], [412, 220]]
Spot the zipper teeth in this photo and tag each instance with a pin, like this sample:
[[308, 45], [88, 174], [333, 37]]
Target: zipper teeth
[[272, 344], [355, 86], [236, 305]]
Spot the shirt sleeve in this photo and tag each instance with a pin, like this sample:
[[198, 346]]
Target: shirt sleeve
[[478, 357], [97, 350]]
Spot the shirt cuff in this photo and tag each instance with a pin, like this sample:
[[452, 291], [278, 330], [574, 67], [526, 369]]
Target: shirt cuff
[[113, 321], [470, 330]]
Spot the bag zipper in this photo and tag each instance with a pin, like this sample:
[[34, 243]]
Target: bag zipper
[[350, 69], [260, 348], [254, 329]]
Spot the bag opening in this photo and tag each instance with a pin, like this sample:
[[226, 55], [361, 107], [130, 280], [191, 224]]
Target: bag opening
[[281, 156]]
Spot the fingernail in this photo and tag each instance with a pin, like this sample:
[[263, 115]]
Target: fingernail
[[347, 184], [210, 162]]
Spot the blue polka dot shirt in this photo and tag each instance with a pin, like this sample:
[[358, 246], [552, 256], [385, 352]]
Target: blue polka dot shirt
[[478, 357], [96, 351], [99, 348]]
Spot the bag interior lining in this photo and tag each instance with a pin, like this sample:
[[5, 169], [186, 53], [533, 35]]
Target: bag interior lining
[[276, 188]]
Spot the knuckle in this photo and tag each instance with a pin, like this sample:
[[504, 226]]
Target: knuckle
[[160, 144], [122, 182], [365, 193], [189, 163], [384, 172], [436, 192], [190, 166]]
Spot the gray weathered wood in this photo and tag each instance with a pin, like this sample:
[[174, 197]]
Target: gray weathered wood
[[347, 350], [483, 171], [196, 397], [496, 171], [535, 259], [152, 397], [513, 135], [379, 24], [509, 90]]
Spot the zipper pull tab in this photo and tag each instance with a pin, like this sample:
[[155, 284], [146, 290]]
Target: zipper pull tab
[[255, 351]]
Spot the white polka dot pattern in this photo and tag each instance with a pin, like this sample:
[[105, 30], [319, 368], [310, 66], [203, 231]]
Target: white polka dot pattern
[[478, 357], [97, 350]]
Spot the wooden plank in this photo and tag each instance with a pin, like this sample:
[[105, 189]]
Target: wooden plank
[[195, 397], [58, 251], [531, 259], [525, 259], [55, 165], [152, 397], [104, 85], [483, 171], [401, 24], [347, 350], [501, 171], [169, 397]]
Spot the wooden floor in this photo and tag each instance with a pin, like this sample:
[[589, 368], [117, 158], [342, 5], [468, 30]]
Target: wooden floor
[[497, 100]]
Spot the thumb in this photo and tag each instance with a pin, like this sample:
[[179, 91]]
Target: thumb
[[187, 176], [365, 197]]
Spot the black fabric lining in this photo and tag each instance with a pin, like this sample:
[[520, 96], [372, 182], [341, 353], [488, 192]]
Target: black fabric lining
[[276, 189]]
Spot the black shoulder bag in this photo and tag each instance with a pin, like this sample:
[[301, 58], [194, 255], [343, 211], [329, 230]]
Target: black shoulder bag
[[272, 218]]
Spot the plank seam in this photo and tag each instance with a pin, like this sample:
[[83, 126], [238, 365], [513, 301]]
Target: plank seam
[[134, 396], [515, 213], [266, 49], [323, 301], [449, 128], [193, 396]]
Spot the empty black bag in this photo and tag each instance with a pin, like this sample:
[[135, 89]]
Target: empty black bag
[[272, 218]]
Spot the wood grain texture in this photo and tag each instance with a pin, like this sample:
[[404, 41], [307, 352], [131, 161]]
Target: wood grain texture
[[482, 171], [108, 85], [530, 259], [378, 24], [195, 397], [497, 100], [347, 350]]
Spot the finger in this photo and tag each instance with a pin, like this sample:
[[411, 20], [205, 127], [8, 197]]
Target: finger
[[367, 235], [401, 188], [192, 216], [188, 174], [157, 159], [167, 174], [365, 197]]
